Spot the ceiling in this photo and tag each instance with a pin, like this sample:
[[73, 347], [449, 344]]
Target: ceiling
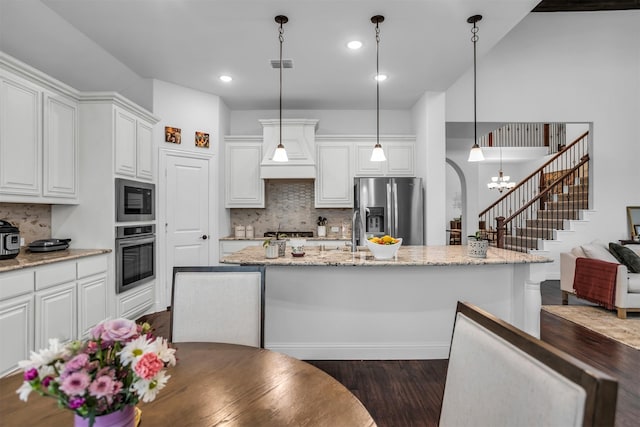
[[115, 44], [424, 45]]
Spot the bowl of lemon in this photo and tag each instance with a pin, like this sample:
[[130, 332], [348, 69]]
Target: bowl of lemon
[[385, 247]]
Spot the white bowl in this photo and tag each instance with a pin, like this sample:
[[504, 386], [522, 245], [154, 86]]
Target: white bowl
[[383, 251]]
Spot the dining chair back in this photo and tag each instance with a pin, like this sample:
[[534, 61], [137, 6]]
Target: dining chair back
[[218, 304], [499, 375]]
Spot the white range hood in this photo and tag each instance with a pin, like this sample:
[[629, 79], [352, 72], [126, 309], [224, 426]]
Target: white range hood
[[298, 138]]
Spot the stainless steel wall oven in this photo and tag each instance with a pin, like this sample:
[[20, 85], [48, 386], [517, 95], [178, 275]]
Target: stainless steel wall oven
[[135, 252]]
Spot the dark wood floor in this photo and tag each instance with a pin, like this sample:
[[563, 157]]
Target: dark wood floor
[[409, 393]]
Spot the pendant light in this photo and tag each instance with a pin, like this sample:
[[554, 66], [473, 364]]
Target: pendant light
[[377, 155], [500, 182], [280, 155], [476, 152]]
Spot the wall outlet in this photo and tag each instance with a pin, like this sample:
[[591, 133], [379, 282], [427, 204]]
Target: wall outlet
[[22, 241], [335, 228]]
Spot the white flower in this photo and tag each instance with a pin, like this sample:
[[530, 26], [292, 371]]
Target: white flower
[[45, 356], [134, 349], [24, 391], [166, 354], [147, 390]]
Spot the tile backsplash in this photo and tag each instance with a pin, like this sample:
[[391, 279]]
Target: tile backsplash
[[289, 205], [33, 220]]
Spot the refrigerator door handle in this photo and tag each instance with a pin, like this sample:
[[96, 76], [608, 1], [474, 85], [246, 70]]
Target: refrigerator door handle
[[395, 209], [389, 220]]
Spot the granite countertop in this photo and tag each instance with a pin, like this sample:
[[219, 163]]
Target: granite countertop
[[261, 239], [407, 256], [27, 259]]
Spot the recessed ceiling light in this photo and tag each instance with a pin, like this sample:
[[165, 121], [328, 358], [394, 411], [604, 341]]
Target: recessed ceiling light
[[355, 44], [226, 79], [380, 77]]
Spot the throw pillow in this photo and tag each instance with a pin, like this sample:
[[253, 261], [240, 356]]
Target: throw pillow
[[627, 257], [599, 251]]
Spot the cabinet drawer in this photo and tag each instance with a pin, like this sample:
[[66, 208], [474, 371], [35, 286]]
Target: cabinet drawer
[[91, 265], [135, 303], [16, 283], [55, 274]]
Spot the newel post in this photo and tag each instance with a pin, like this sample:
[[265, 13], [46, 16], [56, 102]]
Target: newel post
[[501, 229]]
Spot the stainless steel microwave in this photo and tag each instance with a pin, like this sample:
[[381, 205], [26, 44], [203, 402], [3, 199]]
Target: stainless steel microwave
[[135, 200]]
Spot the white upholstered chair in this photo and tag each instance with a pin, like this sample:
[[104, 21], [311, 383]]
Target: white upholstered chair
[[218, 304], [500, 376]]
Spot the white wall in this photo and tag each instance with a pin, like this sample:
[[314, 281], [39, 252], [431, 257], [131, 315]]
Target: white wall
[[570, 67]]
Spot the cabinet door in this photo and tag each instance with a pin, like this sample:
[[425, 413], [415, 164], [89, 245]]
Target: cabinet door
[[136, 302], [60, 147], [125, 143], [400, 159], [334, 182], [144, 157], [20, 136], [16, 331], [56, 314], [243, 186], [92, 303]]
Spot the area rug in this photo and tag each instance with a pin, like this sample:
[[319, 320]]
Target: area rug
[[602, 321]]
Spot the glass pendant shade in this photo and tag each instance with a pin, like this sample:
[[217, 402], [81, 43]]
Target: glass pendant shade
[[280, 155], [476, 155], [377, 155]]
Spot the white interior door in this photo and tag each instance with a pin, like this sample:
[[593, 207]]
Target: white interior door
[[186, 207]]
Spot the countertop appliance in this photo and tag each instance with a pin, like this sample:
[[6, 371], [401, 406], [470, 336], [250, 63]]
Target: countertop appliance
[[9, 240], [49, 245], [388, 205]]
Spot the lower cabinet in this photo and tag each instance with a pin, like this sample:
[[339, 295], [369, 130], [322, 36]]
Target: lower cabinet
[[61, 300], [136, 302]]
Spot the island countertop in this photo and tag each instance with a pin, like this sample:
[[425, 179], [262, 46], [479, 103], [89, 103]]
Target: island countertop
[[406, 256]]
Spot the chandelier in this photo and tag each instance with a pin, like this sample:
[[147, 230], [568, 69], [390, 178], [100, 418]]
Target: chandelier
[[500, 182]]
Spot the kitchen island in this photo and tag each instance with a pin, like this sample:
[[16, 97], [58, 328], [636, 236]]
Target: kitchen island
[[342, 305]]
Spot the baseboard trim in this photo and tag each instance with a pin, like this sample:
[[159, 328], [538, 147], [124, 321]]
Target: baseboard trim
[[338, 351]]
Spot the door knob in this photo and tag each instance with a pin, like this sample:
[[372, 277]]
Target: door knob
[[205, 237]]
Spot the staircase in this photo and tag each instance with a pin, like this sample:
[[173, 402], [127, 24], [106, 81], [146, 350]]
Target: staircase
[[548, 200]]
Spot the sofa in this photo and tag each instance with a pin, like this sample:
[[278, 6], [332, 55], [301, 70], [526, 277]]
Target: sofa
[[627, 289]]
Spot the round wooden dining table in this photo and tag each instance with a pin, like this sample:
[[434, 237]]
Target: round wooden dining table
[[219, 384]]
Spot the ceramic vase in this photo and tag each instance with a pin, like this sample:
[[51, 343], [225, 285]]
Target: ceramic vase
[[322, 231], [271, 251], [123, 418], [477, 248]]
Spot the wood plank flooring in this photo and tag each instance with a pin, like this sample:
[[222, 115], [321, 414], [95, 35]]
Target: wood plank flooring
[[408, 393]]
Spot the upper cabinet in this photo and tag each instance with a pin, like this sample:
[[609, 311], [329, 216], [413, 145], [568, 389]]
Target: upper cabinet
[[38, 141], [334, 180], [399, 151], [243, 186], [133, 145]]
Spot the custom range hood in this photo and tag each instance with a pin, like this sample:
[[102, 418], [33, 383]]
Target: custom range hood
[[298, 136]]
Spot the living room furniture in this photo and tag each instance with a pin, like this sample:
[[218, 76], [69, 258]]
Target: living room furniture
[[500, 376], [627, 285], [219, 384], [218, 304]]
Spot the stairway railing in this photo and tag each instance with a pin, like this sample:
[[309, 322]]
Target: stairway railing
[[547, 197]]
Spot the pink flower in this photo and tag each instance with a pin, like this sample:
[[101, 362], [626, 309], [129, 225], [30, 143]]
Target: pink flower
[[31, 374], [78, 362], [46, 381], [148, 366], [104, 386], [76, 402], [76, 383], [117, 330]]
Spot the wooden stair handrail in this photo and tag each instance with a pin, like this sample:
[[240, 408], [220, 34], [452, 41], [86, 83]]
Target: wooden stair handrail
[[534, 173]]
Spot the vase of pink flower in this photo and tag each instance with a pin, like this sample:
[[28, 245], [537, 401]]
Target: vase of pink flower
[[101, 379]]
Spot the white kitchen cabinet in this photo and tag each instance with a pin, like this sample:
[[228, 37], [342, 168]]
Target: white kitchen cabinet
[[38, 141], [56, 314], [16, 331], [243, 186], [136, 302], [20, 137], [93, 303], [400, 157], [133, 146], [334, 179]]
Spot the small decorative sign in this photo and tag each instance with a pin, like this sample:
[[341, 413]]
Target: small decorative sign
[[202, 139], [172, 135]]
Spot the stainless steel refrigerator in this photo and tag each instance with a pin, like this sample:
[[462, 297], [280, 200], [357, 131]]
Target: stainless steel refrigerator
[[388, 205]]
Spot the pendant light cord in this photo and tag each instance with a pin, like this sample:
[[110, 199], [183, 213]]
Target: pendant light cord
[[281, 38], [377, 85], [474, 39]]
